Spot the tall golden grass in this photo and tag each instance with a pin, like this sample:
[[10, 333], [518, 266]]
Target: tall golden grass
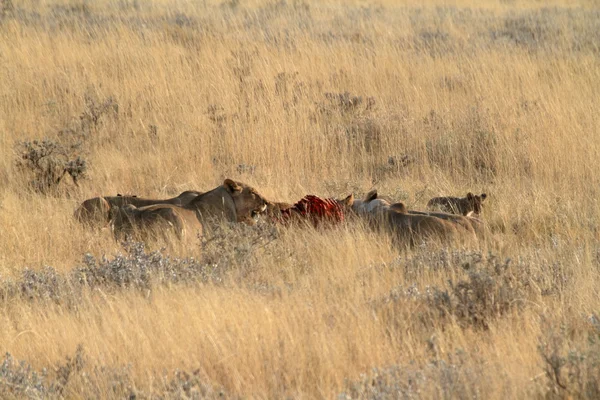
[[330, 98]]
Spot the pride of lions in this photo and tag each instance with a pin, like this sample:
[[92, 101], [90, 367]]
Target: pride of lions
[[448, 219]]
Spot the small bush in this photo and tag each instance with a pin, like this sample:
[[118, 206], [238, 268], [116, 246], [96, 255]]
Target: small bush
[[47, 162], [186, 385], [489, 289], [18, 380], [141, 270], [482, 297], [85, 128], [451, 378], [95, 110], [530, 31], [7, 9], [236, 246], [571, 372]]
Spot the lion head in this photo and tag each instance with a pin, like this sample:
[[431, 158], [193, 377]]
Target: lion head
[[248, 202], [93, 212], [234, 201], [474, 203]]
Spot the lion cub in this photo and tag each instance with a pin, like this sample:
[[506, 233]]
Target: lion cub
[[471, 204], [410, 228]]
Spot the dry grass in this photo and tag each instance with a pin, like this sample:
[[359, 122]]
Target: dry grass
[[295, 97]]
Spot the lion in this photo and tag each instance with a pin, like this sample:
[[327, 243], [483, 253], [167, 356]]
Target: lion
[[370, 205], [154, 221], [232, 201], [411, 228], [183, 199], [471, 204], [468, 222], [95, 211]]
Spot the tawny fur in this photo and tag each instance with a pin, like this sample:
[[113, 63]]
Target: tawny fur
[[413, 228], [232, 201], [458, 205], [155, 221], [95, 211]]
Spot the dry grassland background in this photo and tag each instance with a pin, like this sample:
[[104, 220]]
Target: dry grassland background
[[294, 97]]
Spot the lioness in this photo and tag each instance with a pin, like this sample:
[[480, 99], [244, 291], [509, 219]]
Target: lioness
[[233, 201], [411, 228], [95, 211], [473, 226], [469, 222], [183, 199], [159, 220], [458, 205]]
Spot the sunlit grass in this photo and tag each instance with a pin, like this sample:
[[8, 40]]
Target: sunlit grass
[[327, 98]]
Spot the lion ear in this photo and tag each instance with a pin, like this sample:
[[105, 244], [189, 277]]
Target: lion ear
[[372, 195], [483, 196], [348, 201], [232, 186]]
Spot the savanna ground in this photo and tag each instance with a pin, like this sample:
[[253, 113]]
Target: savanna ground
[[294, 97]]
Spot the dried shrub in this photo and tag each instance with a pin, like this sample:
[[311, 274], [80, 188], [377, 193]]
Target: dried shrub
[[572, 372], [236, 246], [482, 297], [451, 378], [185, 385], [351, 122], [245, 169], [77, 377], [231, 5], [228, 251], [78, 9], [47, 162], [64, 372], [19, 380], [533, 31], [217, 115], [85, 128], [95, 110], [433, 42], [489, 289], [142, 270], [289, 89], [344, 102], [46, 284], [7, 9]]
